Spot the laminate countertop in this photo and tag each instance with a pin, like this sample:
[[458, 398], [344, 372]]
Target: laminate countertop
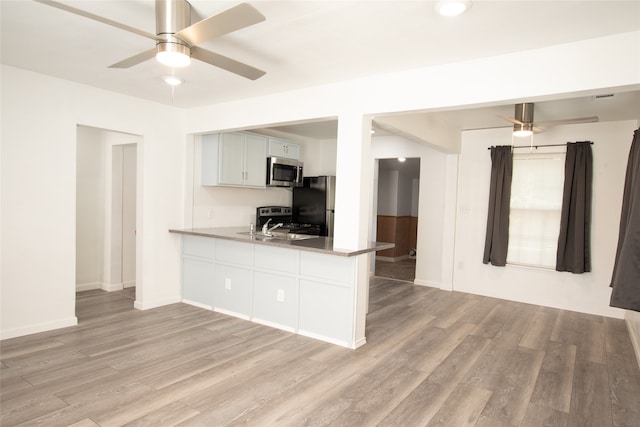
[[316, 244]]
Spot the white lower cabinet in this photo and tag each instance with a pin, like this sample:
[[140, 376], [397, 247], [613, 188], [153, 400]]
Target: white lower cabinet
[[298, 291], [198, 271], [232, 290], [197, 282], [275, 300], [326, 312]]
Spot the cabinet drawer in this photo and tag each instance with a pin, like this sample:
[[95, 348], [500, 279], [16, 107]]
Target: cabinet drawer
[[327, 267], [276, 259], [234, 252], [196, 246]]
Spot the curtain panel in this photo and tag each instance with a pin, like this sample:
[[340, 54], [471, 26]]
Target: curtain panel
[[625, 279], [497, 237], [574, 240]]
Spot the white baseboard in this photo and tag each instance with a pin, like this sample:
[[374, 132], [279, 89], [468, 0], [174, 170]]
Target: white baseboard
[[359, 343], [197, 304], [330, 340], [81, 287], [427, 283], [274, 325], [111, 287], [391, 259], [131, 284], [147, 305], [231, 313], [38, 327]]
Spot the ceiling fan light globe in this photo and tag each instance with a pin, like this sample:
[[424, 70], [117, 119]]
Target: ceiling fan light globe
[[524, 129], [173, 55], [522, 133]]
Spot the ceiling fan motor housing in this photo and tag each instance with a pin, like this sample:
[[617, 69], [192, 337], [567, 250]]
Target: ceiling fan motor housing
[[524, 112], [171, 17], [524, 115]]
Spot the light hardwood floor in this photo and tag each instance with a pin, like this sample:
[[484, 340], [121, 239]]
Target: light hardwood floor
[[432, 358]]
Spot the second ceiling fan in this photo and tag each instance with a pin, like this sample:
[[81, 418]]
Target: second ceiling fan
[[523, 124], [177, 39]]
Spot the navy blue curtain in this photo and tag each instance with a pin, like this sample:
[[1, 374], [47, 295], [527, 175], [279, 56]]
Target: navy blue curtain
[[625, 280]]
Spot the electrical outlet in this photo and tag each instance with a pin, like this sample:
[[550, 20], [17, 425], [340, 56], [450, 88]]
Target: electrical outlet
[[280, 296], [227, 283], [210, 213]]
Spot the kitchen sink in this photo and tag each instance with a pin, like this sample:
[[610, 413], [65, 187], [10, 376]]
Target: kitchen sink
[[279, 235]]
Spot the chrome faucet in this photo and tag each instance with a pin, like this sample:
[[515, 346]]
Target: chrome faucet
[[267, 231]]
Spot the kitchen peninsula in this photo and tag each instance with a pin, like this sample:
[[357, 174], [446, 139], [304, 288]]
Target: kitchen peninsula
[[302, 286]]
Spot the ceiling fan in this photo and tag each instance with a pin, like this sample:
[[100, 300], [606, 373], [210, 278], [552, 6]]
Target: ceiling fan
[[176, 39], [523, 124]]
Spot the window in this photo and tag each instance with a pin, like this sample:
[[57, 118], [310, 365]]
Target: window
[[536, 202]]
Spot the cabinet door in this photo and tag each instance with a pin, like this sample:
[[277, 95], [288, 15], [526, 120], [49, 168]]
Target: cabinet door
[[282, 148], [232, 292], [197, 282], [255, 161], [231, 152]]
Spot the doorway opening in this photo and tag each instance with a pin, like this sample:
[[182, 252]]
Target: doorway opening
[[106, 206], [397, 217]]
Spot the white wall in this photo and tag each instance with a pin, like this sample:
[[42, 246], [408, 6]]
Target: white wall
[[405, 193], [397, 193], [588, 292], [90, 208], [388, 192], [40, 115], [129, 198]]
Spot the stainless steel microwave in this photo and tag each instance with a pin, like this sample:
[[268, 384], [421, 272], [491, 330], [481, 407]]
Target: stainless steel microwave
[[283, 172]]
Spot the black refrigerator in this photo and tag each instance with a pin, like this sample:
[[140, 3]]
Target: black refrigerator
[[313, 203]]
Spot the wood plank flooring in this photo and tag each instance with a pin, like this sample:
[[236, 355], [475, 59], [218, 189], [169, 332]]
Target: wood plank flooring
[[401, 270], [433, 358]]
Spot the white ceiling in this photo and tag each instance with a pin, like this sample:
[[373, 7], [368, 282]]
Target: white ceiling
[[308, 43]]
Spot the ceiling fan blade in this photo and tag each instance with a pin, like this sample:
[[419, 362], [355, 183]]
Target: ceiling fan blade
[[512, 120], [226, 63], [135, 60], [89, 15], [240, 16], [577, 120]]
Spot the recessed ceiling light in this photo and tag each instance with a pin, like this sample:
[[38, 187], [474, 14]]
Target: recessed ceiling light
[[172, 80], [452, 7]]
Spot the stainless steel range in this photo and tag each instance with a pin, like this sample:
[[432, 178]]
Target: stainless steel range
[[282, 215]]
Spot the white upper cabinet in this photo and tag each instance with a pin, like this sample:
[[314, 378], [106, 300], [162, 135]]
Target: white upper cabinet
[[234, 159], [282, 148]]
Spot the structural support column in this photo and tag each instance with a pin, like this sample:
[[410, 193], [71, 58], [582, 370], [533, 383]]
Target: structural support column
[[353, 176], [353, 201]]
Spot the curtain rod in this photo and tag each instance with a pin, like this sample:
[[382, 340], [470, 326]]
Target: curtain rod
[[536, 146]]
